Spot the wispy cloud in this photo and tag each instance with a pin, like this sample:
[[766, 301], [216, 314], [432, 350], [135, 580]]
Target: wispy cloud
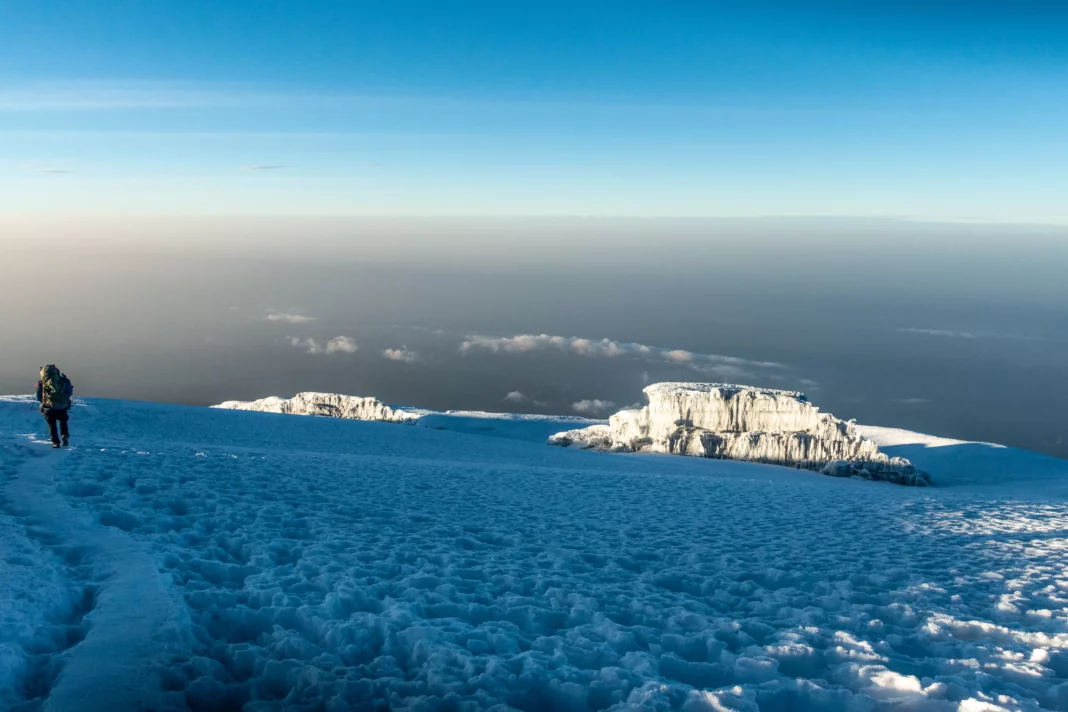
[[949, 334], [403, 354], [336, 345], [592, 406], [711, 364], [110, 95], [37, 167], [113, 94], [262, 168], [910, 401], [289, 317]]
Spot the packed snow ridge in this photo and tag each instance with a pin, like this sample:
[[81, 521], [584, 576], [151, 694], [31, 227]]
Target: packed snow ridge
[[331, 405], [733, 422]]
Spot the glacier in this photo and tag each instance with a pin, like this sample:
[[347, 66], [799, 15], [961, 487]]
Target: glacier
[[735, 422], [330, 405]]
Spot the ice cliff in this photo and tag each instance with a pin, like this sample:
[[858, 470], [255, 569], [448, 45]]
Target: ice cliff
[[734, 422], [329, 405]]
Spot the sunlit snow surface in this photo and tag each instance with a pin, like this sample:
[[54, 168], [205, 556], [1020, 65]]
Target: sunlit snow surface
[[182, 558]]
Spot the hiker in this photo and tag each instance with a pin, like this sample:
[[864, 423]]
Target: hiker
[[54, 392]]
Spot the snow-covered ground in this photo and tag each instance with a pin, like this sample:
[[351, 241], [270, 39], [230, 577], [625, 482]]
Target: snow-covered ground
[[187, 558]]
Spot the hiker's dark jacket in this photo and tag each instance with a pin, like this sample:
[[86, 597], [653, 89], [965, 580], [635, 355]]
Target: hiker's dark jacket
[[68, 388]]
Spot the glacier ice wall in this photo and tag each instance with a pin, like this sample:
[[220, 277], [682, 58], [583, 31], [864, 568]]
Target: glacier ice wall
[[734, 422], [331, 405]]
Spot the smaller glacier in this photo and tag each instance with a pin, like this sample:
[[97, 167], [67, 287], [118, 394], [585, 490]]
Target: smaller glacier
[[330, 405], [733, 422]]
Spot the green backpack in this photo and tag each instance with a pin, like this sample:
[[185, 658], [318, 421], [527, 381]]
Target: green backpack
[[53, 390]]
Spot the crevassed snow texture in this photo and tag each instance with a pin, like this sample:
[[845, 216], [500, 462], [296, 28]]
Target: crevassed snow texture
[[333, 564], [742, 423]]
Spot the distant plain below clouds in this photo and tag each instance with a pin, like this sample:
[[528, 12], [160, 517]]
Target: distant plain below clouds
[[403, 354], [709, 364], [336, 345], [950, 334], [592, 406], [290, 317]]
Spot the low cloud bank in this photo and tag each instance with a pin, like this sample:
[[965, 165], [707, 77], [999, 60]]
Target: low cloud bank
[[712, 364]]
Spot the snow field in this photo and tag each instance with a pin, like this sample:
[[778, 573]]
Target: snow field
[[327, 564]]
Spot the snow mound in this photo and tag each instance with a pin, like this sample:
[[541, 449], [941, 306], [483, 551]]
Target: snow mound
[[330, 405], [733, 422]]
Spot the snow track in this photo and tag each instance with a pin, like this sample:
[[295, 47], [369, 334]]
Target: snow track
[[132, 626], [321, 564]]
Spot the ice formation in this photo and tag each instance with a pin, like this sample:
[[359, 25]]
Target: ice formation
[[329, 405], [734, 422]]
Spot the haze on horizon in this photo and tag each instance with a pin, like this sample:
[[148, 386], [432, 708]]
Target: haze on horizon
[[236, 200]]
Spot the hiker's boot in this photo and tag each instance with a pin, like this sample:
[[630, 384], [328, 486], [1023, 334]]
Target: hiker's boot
[[55, 445], [66, 440]]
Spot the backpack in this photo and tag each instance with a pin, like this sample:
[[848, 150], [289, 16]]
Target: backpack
[[54, 395]]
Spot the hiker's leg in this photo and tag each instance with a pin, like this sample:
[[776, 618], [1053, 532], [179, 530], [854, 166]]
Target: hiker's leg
[[63, 416], [50, 415]]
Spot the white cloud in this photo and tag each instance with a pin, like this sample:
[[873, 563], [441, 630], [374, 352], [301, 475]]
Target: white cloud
[[710, 364], [338, 344], [262, 168], [592, 406], [341, 344], [518, 397], [910, 401], [679, 356], [289, 317], [403, 354]]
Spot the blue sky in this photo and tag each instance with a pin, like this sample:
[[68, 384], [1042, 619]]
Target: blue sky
[[926, 110]]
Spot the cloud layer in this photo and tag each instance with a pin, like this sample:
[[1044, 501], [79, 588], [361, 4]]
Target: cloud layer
[[289, 318], [403, 354], [592, 406], [710, 364], [518, 398], [336, 345]]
